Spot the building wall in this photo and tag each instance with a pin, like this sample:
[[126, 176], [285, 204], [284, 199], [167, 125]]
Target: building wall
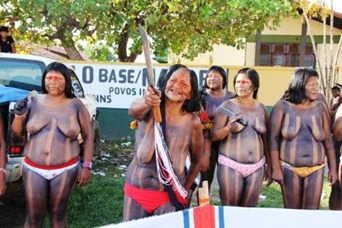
[[289, 31], [293, 26], [221, 55], [250, 54]]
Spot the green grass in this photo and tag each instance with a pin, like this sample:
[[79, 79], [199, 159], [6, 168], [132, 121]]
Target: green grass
[[101, 202], [274, 197], [97, 204]]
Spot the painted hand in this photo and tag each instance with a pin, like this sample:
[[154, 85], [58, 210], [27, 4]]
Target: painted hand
[[235, 127], [2, 185], [152, 97], [20, 107], [278, 176], [332, 176], [84, 177], [205, 162]]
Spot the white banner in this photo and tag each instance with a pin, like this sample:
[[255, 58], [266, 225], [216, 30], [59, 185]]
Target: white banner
[[118, 85], [241, 217]]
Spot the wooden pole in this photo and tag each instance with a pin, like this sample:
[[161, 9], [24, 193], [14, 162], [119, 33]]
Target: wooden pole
[[203, 194]]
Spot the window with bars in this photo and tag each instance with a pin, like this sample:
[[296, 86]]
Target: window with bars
[[286, 55]]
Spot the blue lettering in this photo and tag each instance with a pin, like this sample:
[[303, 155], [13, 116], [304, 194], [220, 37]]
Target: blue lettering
[[103, 75], [112, 76], [130, 76], [122, 75], [104, 98], [87, 74], [202, 74]]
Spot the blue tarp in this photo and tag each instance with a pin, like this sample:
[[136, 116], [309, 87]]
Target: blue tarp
[[8, 94]]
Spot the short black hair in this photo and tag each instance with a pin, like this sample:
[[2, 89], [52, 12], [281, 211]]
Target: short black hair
[[219, 70], [336, 88], [4, 29]]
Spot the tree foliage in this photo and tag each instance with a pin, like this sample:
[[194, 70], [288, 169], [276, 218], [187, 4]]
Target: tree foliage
[[184, 27]]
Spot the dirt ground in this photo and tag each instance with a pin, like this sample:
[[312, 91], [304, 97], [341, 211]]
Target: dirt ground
[[12, 206]]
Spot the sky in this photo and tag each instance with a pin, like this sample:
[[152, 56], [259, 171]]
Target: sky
[[337, 4]]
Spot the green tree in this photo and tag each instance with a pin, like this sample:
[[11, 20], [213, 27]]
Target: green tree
[[184, 27]]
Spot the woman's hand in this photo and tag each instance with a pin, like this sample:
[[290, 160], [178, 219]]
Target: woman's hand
[[20, 107], [189, 197], [268, 175], [205, 162], [2, 184], [84, 177], [278, 176], [332, 176], [152, 97], [233, 125]]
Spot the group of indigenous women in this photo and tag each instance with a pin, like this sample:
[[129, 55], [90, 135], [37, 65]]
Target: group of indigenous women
[[294, 141], [292, 146]]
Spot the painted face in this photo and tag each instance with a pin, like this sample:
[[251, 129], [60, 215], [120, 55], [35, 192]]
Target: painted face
[[243, 86], [55, 83], [178, 87], [214, 80], [312, 88]]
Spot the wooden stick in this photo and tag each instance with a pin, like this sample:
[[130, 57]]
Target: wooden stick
[[203, 194]]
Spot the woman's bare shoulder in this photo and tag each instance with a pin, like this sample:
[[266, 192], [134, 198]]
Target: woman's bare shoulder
[[229, 102], [195, 119]]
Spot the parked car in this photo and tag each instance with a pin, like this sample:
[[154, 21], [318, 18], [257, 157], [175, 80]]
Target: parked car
[[19, 75]]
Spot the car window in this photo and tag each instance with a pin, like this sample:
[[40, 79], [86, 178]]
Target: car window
[[23, 74], [78, 89]]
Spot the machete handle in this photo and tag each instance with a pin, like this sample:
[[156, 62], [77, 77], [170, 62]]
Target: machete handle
[[242, 122], [157, 114], [156, 109]]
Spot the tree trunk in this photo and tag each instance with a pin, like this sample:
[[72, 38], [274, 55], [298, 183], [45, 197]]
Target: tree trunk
[[67, 43], [303, 44], [319, 66], [122, 52], [133, 57], [257, 48], [73, 53], [327, 68], [122, 48]]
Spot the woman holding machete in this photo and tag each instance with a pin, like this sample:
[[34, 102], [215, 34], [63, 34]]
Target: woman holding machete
[[156, 180]]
